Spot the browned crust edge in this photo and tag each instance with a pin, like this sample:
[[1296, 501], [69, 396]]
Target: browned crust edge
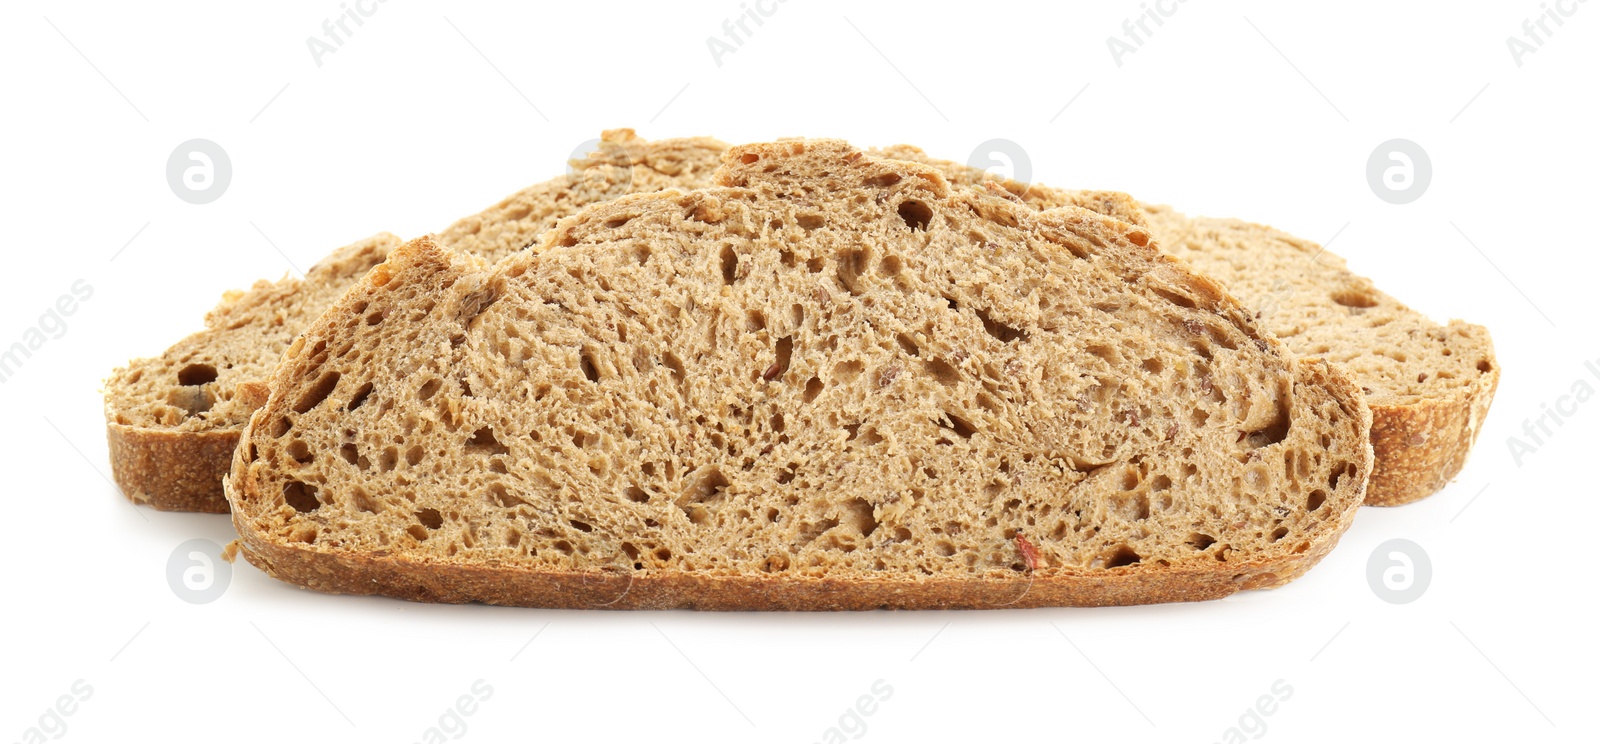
[[1421, 446], [337, 571], [172, 470]]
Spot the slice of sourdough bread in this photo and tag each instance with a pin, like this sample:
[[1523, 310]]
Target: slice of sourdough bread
[[832, 382], [172, 421], [1429, 386]]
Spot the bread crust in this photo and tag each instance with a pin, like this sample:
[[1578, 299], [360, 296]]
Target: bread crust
[[1420, 447], [172, 470]]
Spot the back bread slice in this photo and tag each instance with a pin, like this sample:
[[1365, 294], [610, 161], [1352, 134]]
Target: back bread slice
[[1429, 386], [833, 382], [172, 421]]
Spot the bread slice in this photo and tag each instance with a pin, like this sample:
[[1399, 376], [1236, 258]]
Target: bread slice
[[172, 421], [831, 382], [1429, 386]]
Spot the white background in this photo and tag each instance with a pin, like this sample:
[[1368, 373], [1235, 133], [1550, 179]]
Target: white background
[[431, 111]]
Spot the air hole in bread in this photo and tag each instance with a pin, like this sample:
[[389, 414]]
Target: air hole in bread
[[300, 452], [1001, 332], [317, 392], [847, 372], [349, 453], [808, 532], [775, 563], [1315, 499], [674, 365], [809, 221], [197, 374], [498, 494], [1274, 432], [882, 181], [730, 265], [890, 266], [1117, 557], [916, 214], [754, 321], [586, 363], [301, 496], [813, 389], [429, 388], [430, 518], [483, 442], [1200, 541], [962, 427], [780, 364], [906, 344], [359, 397]]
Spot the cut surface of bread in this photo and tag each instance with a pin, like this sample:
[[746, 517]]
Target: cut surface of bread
[[172, 421], [830, 382], [1429, 386]]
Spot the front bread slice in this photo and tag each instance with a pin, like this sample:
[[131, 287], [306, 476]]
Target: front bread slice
[[832, 382]]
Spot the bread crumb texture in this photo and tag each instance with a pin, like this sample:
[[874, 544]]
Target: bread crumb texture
[[1429, 386], [832, 381]]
